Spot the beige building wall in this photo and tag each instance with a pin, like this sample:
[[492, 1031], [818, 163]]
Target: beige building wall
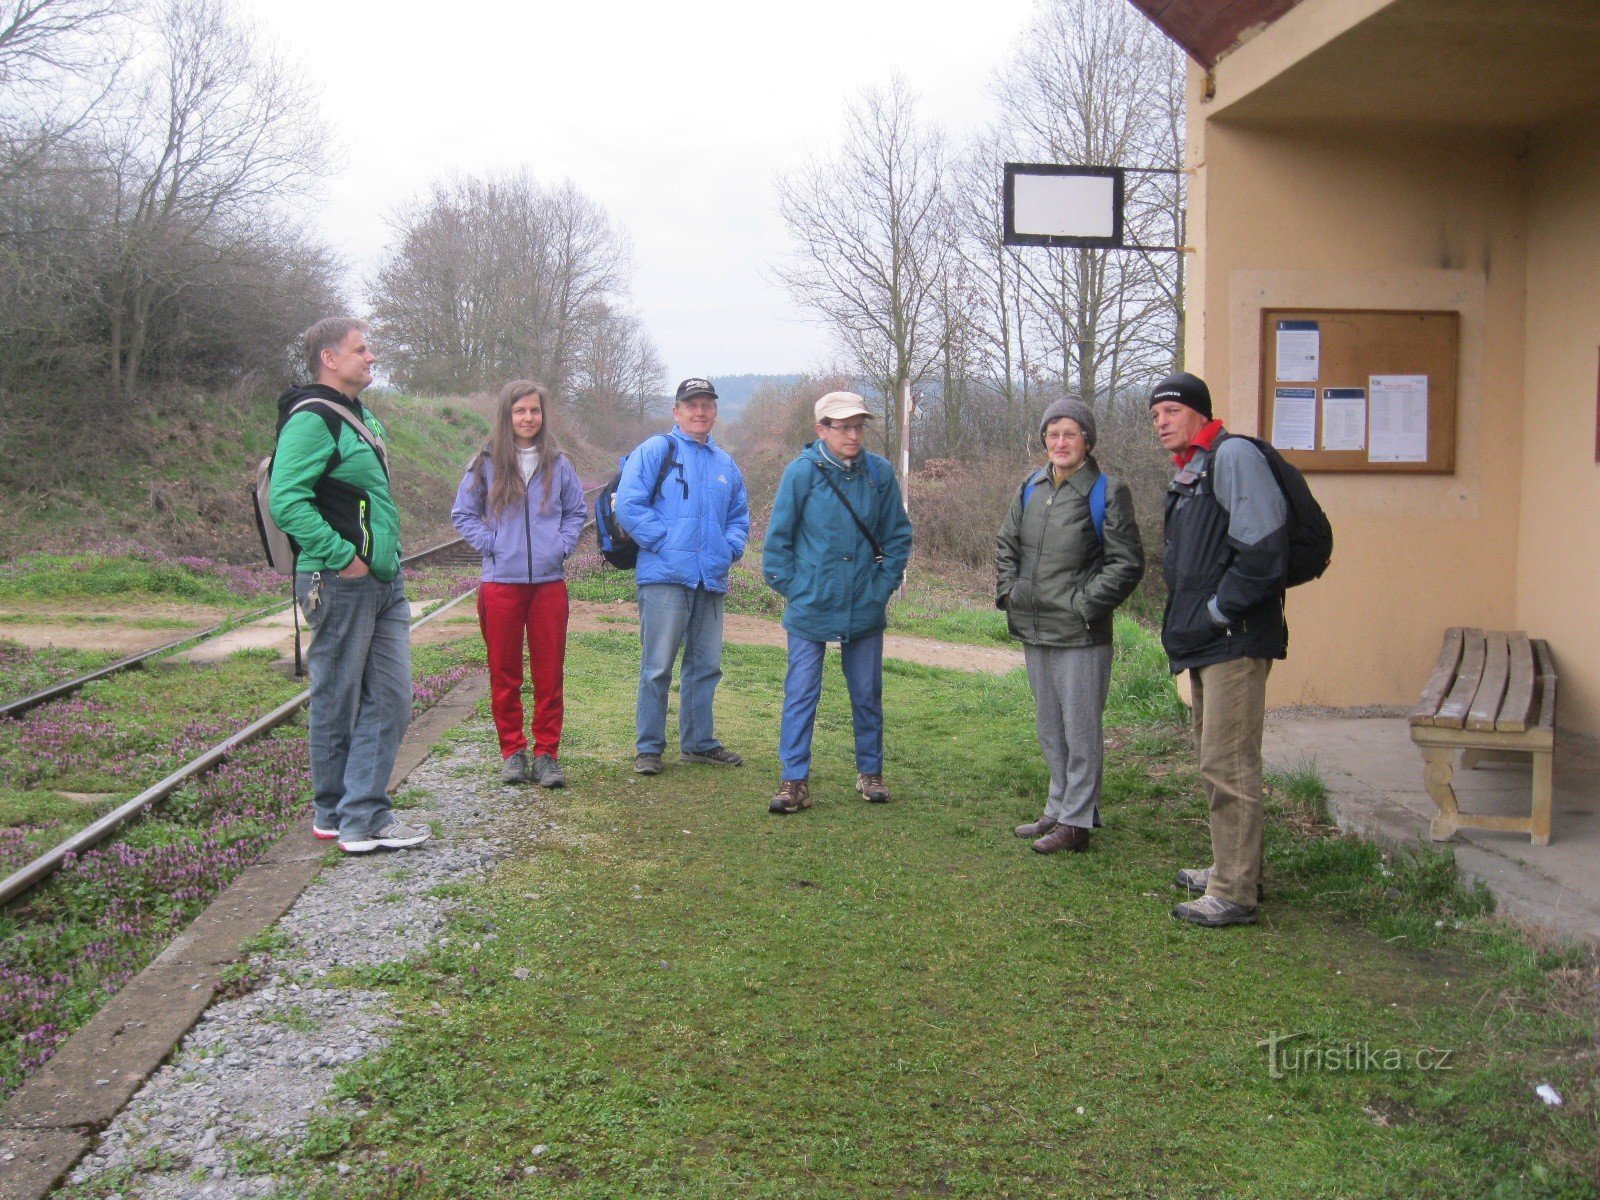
[[1558, 561], [1377, 217]]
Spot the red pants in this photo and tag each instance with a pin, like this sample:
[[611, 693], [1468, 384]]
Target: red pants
[[507, 612]]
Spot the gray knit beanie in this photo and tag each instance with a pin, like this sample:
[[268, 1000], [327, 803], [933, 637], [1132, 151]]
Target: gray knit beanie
[[1069, 406]]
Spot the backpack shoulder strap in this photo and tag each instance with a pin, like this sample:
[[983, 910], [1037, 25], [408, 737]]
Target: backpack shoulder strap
[[333, 414], [1097, 506], [1028, 484], [667, 459]]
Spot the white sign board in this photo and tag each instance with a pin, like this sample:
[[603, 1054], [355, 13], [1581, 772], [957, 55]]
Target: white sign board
[[1050, 205]]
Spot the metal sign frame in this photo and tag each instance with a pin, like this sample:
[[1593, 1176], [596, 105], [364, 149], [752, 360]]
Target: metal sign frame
[[1013, 238]]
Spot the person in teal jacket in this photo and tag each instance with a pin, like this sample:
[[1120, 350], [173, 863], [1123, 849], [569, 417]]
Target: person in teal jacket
[[837, 547], [330, 494]]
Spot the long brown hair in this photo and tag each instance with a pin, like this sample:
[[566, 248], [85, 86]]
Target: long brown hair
[[501, 451]]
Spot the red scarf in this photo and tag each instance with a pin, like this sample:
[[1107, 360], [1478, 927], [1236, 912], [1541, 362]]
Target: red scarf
[[1202, 441]]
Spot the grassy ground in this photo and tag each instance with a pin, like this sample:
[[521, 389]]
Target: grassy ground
[[680, 996]]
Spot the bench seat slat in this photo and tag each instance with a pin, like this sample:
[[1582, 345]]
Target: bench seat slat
[[1518, 705], [1492, 686], [1453, 712], [1444, 673]]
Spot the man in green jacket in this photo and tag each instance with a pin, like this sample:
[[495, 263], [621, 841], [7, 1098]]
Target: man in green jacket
[[837, 546], [330, 494], [1068, 554]]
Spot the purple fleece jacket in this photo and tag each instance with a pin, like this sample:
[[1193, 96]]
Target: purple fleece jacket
[[526, 544]]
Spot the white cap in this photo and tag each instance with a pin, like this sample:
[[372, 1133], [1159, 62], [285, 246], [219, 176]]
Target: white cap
[[837, 405]]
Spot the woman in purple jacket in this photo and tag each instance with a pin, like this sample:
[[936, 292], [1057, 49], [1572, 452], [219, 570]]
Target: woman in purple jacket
[[520, 506]]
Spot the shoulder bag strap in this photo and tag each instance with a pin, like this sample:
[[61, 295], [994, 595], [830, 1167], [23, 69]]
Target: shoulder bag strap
[[877, 550], [355, 423]]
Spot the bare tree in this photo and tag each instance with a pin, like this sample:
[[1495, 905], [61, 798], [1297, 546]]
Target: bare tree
[[201, 153], [872, 241], [499, 275]]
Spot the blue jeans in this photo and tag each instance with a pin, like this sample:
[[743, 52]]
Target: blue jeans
[[360, 663], [862, 660], [673, 616]]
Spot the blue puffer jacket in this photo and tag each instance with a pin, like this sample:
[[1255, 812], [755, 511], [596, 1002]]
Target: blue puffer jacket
[[816, 558], [526, 545], [699, 523]]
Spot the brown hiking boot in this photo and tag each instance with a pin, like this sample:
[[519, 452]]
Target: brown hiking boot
[[872, 789], [793, 795], [1035, 829], [1063, 837]]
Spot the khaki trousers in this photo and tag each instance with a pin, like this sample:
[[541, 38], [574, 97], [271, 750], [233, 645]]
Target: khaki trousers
[[1230, 708]]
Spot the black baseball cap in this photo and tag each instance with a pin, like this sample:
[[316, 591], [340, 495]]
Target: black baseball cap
[[694, 387]]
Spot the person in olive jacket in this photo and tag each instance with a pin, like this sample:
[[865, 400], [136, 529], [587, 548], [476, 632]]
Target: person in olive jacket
[[837, 547], [1068, 554]]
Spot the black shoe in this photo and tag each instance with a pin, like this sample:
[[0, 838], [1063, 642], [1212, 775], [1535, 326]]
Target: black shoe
[[717, 756], [647, 764]]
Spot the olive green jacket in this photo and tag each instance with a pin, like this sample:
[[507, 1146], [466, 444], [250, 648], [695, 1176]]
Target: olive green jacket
[[1055, 580]]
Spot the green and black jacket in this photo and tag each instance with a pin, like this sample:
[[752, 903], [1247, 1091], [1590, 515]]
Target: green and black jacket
[[330, 492]]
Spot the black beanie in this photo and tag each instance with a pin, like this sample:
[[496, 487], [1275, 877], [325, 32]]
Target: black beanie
[[1186, 389]]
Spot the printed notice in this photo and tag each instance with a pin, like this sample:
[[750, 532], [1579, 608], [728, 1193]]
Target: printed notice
[[1299, 351], [1397, 418], [1294, 418], [1344, 418]]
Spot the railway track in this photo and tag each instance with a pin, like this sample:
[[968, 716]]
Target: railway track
[[454, 552]]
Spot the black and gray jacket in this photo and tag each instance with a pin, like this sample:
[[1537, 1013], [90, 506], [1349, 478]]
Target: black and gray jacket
[[1225, 559]]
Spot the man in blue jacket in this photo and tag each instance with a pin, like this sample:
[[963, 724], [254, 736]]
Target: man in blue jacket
[[689, 532], [836, 549]]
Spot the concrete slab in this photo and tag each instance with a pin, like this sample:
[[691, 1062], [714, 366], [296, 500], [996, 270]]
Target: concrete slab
[[1374, 778], [32, 1161]]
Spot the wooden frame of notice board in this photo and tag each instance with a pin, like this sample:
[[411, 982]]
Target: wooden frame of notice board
[[1376, 393]]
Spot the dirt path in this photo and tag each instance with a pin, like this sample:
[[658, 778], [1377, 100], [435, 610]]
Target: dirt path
[[277, 632]]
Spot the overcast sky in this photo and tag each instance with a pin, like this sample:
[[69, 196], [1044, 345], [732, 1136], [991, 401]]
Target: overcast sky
[[675, 117]]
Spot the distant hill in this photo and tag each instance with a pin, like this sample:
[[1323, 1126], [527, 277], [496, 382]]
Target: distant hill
[[734, 391]]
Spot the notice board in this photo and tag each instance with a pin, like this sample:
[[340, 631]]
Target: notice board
[[1367, 390]]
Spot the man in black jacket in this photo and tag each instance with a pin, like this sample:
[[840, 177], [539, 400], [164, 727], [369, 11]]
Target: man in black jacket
[[1225, 563]]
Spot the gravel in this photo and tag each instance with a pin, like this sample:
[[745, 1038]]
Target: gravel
[[241, 1088]]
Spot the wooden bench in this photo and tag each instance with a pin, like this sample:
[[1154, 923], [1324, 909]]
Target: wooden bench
[[1492, 696]]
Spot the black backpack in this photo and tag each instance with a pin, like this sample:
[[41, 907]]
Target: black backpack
[[1310, 534], [616, 547]]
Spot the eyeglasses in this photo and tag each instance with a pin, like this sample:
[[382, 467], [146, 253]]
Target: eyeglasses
[[860, 427]]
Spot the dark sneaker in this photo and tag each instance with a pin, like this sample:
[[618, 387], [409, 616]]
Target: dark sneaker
[[515, 768], [1214, 912], [1195, 880], [872, 789], [647, 764], [1063, 837], [546, 773], [393, 836], [321, 833], [793, 795], [1035, 829], [717, 756]]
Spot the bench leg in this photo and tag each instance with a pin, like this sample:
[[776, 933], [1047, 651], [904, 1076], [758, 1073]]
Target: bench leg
[[1438, 768], [1539, 831]]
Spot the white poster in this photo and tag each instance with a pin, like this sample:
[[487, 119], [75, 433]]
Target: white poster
[[1294, 418], [1344, 418], [1398, 418], [1299, 351]]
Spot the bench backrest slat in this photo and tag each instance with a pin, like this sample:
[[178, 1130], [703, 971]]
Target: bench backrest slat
[[1453, 712], [1492, 686], [1518, 705], [1444, 674], [1545, 667]]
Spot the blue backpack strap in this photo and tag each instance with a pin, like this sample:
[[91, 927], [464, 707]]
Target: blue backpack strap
[[1097, 508], [1029, 484]]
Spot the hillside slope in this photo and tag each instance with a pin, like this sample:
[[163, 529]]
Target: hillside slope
[[175, 474]]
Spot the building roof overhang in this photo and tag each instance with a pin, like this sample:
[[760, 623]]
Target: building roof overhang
[[1208, 29]]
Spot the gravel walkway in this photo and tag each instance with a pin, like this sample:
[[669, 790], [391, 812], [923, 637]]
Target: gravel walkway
[[244, 1083]]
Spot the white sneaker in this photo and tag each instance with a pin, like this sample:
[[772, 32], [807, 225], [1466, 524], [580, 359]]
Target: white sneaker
[[393, 836], [321, 834]]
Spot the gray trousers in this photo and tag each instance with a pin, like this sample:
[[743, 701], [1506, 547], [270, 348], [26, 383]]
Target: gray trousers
[[1070, 685], [360, 664]]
